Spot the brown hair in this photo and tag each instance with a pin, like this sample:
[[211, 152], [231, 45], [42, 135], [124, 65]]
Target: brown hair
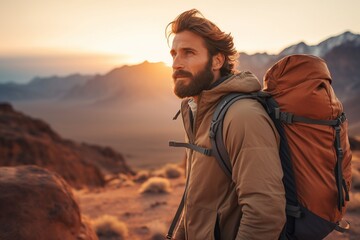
[[216, 40]]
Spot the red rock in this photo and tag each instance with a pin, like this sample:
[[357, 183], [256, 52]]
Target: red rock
[[36, 204], [28, 141]]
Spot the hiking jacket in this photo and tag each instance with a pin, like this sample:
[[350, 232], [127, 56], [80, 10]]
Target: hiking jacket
[[251, 205]]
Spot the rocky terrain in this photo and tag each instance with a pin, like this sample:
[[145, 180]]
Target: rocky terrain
[[28, 141]]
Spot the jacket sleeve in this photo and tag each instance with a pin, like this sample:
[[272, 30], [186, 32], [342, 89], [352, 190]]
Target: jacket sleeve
[[252, 143]]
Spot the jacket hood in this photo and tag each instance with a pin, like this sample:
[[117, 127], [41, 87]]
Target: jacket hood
[[244, 82]]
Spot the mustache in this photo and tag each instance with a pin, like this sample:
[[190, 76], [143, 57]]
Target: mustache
[[181, 73]]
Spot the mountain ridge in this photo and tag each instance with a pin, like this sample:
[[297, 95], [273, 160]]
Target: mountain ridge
[[322, 48], [122, 82], [31, 141]]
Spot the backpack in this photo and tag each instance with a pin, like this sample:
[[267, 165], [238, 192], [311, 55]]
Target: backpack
[[314, 147]]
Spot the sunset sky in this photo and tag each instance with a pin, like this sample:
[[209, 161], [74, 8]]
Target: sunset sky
[[42, 37]]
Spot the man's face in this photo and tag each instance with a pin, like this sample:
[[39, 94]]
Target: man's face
[[192, 66]]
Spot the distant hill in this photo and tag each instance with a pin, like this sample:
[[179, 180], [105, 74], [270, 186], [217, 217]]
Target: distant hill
[[146, 80], [28, 141], [41, 88]]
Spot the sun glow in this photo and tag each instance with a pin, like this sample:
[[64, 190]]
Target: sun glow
[[95, 37]]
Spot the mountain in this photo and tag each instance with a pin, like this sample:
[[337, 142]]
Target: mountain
[[323, 47], [259, 63], [148, 80], [41, 88], [28, 141]]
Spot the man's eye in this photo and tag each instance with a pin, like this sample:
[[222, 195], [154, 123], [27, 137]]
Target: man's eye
[[189, 52]]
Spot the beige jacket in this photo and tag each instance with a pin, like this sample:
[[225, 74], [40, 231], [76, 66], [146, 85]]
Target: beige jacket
[[252, 204]]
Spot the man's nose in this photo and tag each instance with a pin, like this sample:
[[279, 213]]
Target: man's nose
[[177, 63]]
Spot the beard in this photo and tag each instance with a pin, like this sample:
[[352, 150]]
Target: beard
[[198, 82]]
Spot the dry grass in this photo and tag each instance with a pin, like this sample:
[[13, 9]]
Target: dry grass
[[156, 185], [142, 176], [173, 171], [157, 230], [109, 227], [158, 173]]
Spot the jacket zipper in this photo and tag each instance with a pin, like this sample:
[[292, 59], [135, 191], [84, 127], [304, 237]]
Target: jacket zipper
[[188, 170], [191, 137]]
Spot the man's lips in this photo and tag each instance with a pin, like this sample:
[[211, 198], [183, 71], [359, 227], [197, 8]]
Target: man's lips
[[181, 77], [181, 74]]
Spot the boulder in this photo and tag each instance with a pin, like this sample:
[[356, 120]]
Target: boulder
[[36, 204]]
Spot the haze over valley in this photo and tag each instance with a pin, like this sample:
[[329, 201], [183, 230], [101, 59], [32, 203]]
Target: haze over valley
[[130, 108]]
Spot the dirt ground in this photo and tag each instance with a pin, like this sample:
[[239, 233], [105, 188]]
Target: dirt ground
[[146, 215]]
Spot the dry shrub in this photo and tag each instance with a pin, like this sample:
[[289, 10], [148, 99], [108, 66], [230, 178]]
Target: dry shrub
[[172, 171], [110, 177], [158, 173], [168, 171], [124, 177], [119, 181], [109, 227], [141, 176], [156, 185], [128, 183], [115, 183], [354, 204], [158, 230]]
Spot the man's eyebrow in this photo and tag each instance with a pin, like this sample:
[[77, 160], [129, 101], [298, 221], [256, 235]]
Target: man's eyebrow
[[188, 49], [173, 51]]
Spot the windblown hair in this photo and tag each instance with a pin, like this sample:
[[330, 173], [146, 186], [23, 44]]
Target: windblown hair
[[216, 40]]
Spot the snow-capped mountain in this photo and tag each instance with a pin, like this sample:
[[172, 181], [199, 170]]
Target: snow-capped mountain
[[324, 47]]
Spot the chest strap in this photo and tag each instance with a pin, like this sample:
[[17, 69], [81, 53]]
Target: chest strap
[[205, 151]]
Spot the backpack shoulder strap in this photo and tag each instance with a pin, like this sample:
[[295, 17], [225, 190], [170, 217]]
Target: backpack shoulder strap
[[216, 137], [220, 153]]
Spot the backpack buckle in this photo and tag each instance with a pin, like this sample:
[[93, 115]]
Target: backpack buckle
[[341, 119], [286, 117]]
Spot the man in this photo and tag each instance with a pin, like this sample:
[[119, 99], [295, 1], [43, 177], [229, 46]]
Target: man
[[251, 205]]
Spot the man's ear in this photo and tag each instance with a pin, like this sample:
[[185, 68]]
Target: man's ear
[[218, 61]]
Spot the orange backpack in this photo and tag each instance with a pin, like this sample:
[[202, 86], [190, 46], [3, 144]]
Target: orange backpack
[[314, 147], [320, 153]]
